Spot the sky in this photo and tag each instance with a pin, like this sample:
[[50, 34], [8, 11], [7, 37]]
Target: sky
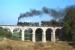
[[10, 10]]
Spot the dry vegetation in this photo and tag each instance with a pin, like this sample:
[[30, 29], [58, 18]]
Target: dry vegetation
[[20, 45]]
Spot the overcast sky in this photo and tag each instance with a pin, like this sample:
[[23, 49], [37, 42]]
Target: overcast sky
[[11, 9]]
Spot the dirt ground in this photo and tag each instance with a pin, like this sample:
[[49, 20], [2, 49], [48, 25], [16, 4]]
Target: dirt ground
[[27, 45]]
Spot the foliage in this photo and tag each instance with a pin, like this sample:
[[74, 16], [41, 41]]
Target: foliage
[[5, 33], [69, 23], [16, 35]]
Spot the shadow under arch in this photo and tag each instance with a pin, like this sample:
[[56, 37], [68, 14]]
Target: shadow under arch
[[48, 34], [38, 34], [28, 34], [17, 34], [59, 34]]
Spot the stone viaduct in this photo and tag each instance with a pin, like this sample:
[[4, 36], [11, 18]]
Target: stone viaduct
[[34, 28]]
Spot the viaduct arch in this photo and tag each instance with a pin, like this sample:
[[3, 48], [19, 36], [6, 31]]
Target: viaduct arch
[[46, 33]]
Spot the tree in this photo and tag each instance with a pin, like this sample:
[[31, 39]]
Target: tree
[[5, 33], [69, 23]]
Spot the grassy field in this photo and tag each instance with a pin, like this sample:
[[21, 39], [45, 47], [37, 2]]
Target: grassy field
[[27, 45]]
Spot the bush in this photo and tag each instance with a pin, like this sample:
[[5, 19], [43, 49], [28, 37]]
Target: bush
[[16, 36], [5, 33]]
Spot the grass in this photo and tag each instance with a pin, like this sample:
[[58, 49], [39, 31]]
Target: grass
[[28, 45]]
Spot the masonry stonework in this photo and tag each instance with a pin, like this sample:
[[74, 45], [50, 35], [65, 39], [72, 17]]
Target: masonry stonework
[[23, 28]]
